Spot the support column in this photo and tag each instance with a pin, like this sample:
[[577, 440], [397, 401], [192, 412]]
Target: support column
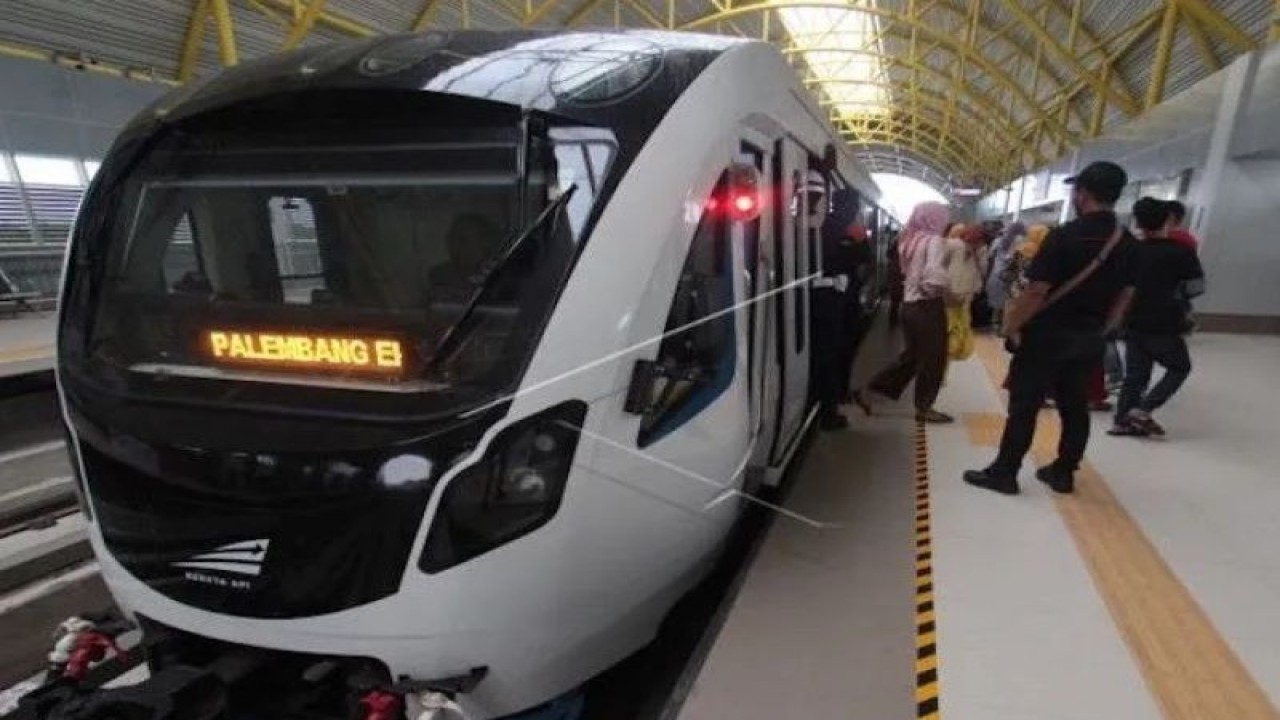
[[1235, 94], [1022, 192]]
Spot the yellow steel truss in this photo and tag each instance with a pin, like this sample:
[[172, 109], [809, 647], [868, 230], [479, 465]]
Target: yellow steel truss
[[984, 88]]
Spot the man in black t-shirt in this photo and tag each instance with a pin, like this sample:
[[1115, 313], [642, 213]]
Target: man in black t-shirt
[[1169, 276], [1057, 345]]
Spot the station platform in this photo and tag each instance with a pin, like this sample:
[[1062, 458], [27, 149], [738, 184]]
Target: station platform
[[1150, 593], [26, 343]]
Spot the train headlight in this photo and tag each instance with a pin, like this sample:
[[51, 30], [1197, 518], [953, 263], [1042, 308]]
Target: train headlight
[[512, 491]]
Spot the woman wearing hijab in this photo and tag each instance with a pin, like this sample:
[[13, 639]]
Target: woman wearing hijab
[[966, 263], [922, 257], [1002, 252]]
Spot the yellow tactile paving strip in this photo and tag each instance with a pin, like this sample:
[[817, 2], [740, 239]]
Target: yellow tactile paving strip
[[1192, 673], [926, 619]]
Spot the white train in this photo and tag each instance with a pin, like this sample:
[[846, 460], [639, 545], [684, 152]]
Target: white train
[[367, 356]]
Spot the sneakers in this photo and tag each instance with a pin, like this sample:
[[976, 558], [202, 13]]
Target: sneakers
[[1127, 428], [1146, 422], [1059, 480], [1137, 424], [996, 482]]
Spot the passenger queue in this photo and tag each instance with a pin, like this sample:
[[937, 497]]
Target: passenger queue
[[1086, 310]]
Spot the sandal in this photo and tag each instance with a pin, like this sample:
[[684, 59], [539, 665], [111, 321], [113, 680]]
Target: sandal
[[934, 417]]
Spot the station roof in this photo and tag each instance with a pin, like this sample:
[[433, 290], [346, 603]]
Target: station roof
[[958, 93]]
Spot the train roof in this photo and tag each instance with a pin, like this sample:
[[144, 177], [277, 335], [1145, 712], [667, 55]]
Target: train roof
[[609, 78]]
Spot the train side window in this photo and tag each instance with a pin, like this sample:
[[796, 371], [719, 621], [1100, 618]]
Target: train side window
[[698, 353], [583, 156], [751, 256], [581, 164]]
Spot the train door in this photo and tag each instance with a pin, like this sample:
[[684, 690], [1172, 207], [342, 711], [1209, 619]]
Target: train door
[[759, 302], [694, 398], [790, 166]]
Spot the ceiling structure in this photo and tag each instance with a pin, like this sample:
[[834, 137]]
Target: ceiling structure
[[957, 93]]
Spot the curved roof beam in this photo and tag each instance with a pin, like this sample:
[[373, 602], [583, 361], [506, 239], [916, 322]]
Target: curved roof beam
[[896, 132], [901, 165], [957, 161], [1101, 85], [970, 119], [897, 140], [982, 97], [958, 47], [963, 15], [888, 153]]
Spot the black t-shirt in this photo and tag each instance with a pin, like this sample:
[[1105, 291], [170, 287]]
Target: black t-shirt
[[1159, 303], [1066, 251], [839, 252]]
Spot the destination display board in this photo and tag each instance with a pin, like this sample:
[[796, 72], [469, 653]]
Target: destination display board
[[306, 351]]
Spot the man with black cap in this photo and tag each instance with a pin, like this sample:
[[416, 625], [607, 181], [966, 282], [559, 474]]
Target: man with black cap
[[1080, 286]]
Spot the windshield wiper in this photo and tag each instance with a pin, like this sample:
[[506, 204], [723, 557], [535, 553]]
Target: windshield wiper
[[485, 279]]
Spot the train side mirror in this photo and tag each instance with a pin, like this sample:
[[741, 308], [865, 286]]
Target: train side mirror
[[645, 390]]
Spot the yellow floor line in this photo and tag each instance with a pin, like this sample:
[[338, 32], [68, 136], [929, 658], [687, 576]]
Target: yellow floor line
[[30, 352], [926, 619], [1190, 669]]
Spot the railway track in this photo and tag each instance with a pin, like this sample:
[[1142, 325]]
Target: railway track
[[37, 506], [46, 568], [40, 534]]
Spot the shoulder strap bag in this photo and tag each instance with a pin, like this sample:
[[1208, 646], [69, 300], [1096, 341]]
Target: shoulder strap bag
[[1085, 273], [1069, 286]]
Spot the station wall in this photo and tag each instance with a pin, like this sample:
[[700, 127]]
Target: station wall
[[1166, 154], [46, 109]]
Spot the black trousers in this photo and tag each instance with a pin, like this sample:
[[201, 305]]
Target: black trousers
[[1142, 352], [1057, 364], [830, 348], [854, 328]]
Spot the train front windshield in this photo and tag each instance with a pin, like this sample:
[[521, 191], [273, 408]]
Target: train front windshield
[[302, 267]]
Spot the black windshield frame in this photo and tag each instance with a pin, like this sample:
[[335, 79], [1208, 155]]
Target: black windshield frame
[[88, 276]]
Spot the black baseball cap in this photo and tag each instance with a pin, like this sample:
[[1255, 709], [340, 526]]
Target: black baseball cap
[[1104, 180]]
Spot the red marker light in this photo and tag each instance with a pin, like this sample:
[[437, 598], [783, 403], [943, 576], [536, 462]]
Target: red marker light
[[745, 205]]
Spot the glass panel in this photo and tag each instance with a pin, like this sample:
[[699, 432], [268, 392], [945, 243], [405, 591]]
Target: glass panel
[[698, 360], [282, 265]]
